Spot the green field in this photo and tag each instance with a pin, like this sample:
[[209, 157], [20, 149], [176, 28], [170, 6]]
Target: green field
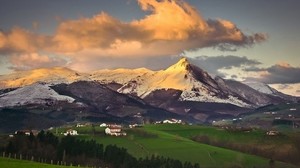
[[13, 163], [174, 141]]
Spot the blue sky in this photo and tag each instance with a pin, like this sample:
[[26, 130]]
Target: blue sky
[[276, 51]]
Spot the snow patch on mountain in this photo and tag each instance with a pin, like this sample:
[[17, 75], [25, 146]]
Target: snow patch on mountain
[[261, 87], [120, 75], [194, 96], [37, 93]]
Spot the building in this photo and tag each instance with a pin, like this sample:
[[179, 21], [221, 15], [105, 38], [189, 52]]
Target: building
[[272, 133], [115, 130], [172, 121], [71, 132], [27, 132], [135, 125], [103, 125], [80, 125]]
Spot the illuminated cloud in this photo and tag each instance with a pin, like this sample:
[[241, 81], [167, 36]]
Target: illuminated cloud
[[34, 60], [18, 40], [291, 89], [170, 28]]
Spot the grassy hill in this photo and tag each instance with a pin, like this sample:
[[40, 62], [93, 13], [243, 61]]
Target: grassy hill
[[13, 163], [174, 141]]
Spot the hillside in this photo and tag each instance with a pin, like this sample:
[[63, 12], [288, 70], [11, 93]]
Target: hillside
[[174, 141]]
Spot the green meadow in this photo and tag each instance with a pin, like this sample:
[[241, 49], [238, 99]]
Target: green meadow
[[13, 163], [174, 141]]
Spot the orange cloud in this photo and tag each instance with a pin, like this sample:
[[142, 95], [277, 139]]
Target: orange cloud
[[284, 64], [20, 40], [34, 60], [172, 27]]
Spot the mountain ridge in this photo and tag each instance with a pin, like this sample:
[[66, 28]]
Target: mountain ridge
[[195, 83], [182, 90]]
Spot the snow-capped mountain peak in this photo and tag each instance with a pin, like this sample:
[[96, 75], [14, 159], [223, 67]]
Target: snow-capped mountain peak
[[195, 84], [182, 65]]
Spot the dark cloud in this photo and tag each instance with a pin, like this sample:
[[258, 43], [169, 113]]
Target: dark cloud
[[279, 73], [214, 63]]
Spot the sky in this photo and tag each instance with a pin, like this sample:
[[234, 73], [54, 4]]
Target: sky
[[249, 40]]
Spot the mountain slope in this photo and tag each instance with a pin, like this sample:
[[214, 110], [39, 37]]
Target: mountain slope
[[37, 93], [246, 93], [264, 88], [103, 100], [261, 87]]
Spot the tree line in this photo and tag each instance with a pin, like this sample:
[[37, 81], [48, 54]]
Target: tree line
[[72, 151]]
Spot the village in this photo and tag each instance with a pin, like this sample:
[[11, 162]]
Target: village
[[110, 129], [114, 129]]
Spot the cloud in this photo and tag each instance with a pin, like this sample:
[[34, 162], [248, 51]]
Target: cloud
[[170, 28], [18, 40], [279, 73], [290, 89], [34, 60], [213, 64]]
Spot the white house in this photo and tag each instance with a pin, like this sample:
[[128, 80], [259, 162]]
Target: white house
[[115, 130], [71, 132], [134, 125], [27, 132], [80, 125], [172, 121], [272, 133], [103, 125]]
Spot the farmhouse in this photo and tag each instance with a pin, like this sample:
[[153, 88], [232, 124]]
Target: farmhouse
[[134, 125], [172, 121], [103, 125], [115, 130], [272, 133], [70, 132], [27, 132], [80, 125]]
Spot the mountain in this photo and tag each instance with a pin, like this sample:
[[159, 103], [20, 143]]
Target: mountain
[[194, 83], [181, 90], [264, 88], [40, 106], [247, 93]]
